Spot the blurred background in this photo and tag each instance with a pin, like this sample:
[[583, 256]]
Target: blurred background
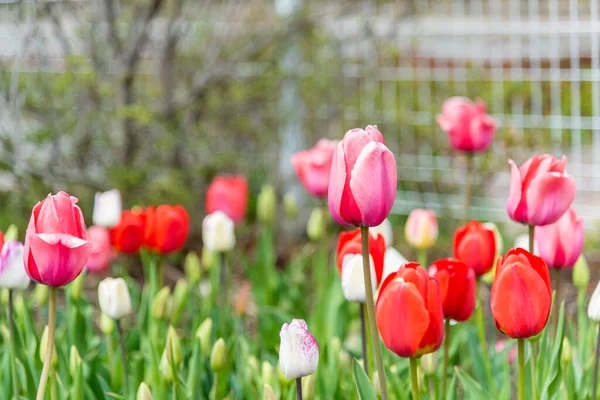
[[155, 97]]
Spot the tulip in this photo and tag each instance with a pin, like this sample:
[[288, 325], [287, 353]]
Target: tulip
[[268, 393], [143, 392], [386, 230], [594, 315], [421, 229], [192, 267], [266, 204], [317, 224], [44, 346], [362, 185], [167, 228], [298, 351], [429, 363], [203, 334], [102, 253], [106, 324], [457, 288], [392, 261], [161, 303], [468, 126], [561, 243], [128, 236], [581, 274], [230, 195], [180, 299], [107, 208], [350, 263], [113, 297], [12, 233], [77, 287], [540, 190], [289, 205], [171, 356], [314, 166], [521, 294], [218, 356], [218, 234], [12, 268], [266, 372], [409, 312], [475, 245]]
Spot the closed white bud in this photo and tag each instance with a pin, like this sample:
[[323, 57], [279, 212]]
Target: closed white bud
[[594, 305], [385, 230], [143, 392], [218, 234], [298, 351], [429, 363], [353, 279], [12, 267], [114, 299], [107, 208]]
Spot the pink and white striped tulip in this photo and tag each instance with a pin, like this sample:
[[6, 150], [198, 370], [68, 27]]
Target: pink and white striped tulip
[[12, 268], [298, 352]]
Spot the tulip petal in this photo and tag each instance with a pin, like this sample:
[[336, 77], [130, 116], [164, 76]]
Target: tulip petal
[[515, 193], [374, 177], [549, 196], [59, 258], [337, 182]]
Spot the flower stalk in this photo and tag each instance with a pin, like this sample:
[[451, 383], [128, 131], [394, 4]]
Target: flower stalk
[[50, 346]]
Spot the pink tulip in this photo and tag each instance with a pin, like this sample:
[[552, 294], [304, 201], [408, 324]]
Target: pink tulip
[[362, 185], [467, 124], [313, 166], [561, 243], [56, 246], [540, 190], [421, 229], [102, 251]]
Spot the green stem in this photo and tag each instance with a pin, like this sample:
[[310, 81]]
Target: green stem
[[414, 378], [123, 357], [468, 177], [532, 360], [521, 344], [596, 357], [50, 346], [13, 349], [371, 311], [555, 307], [216, 386], [298, 388], [222, 291], [482, 340], [363, 331], [531, 236], [446, 354], [422, 258], [54, 386]]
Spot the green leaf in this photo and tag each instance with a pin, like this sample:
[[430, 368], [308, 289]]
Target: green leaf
[[471, 388], [553, 378], [366, 391], [451, 389]]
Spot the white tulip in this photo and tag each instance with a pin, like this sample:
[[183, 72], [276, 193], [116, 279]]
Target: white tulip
[[594, 305], [392, 261], [298, 352], [353, 280], [113, 296], [522, 241], [218, 232], [385, 230], [12, 267], [107, 208]]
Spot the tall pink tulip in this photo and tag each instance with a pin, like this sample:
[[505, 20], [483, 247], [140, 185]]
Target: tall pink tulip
[[467, 124], [56, 246], [102, 251], [362, 185], [540, 190], [313, 166], [561, 243]]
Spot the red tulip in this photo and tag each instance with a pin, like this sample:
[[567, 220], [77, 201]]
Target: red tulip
[[350, 263], [362, 185], [475, 245], [56, 246], [128, 236], [167, 228], [457, 287], [102, 251], [467, 124], [561, 243], [228, 194], [540, 190], [409, 312], [521, 294], [313, 166]]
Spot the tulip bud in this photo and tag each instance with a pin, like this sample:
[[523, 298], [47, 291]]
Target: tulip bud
[[252, 363], [143, 392], [218, 234], [75, 361], [114, 299], [298, 352], [12, 269], [44, 346], [160, 304], [567, 353], [192, 267], [218, 356], [317, 224], [581, 273], [180, 296], [308, 387], [268, 393], [107, 324], [40, 294], [77, 286], [203, 334], [171, 355], [266, 204], [107, 208], [594, 305], [267, 372], [208, 259], [12, 233], [289, 205], [421, 229], [429, 363]]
